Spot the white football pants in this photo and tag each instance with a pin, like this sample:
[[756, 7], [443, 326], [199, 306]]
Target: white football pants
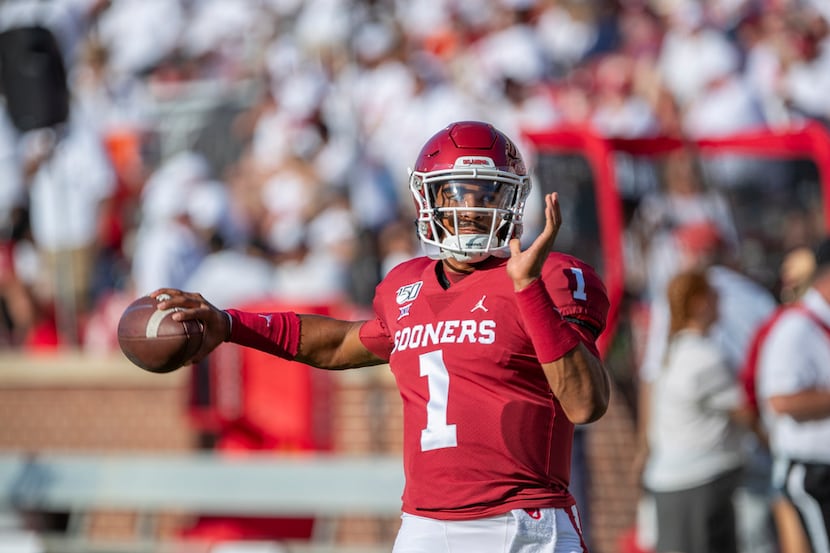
[[519, 531]]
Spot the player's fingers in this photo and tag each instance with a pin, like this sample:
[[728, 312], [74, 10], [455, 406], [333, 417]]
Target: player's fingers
[[553, 219], [169, 298], [553, 203], [553, 213], [173, 295], [515, 246], [548, 234], [188, 306]]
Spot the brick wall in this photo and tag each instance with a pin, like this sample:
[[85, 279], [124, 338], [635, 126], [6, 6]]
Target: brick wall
[[93, 419], [72, 403]]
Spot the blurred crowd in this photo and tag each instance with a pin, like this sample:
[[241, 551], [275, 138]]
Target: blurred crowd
[[258, 148]]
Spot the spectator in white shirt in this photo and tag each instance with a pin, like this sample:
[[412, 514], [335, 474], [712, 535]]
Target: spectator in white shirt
[[794, 397], [694, 449]]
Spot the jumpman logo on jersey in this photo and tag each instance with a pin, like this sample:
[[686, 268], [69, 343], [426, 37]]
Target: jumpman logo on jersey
[[480, 305], [267, 319]]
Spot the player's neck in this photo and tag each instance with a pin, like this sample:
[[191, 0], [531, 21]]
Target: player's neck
[[451, 271], [449, 275], [457, 267]]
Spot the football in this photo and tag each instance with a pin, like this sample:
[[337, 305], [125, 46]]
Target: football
[[152, 340]]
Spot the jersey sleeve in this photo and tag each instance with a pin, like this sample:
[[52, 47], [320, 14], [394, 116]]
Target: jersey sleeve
[[580, 295], [374, 333], [375, 338]]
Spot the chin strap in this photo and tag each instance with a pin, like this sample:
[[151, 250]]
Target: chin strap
[[452, 244]]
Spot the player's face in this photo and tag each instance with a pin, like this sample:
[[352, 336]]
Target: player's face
[[462, 194]]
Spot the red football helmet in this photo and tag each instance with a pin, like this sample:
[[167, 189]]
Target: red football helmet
[[470, 186]]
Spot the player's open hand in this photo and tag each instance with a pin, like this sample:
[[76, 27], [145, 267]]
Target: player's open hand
[[191, 305], [526, 266]]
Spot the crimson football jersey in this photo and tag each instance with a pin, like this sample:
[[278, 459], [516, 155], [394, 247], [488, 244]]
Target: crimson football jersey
[[483, 433]]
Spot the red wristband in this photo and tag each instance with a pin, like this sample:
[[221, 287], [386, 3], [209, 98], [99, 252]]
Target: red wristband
[[551, 335], [274, 333]]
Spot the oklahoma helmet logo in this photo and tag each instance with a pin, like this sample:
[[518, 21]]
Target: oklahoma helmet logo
[[474, 161], [408, 293]]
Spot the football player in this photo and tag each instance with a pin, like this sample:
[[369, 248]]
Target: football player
[[493, 349]]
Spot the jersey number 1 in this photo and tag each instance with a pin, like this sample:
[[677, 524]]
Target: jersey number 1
[[438, 434]]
